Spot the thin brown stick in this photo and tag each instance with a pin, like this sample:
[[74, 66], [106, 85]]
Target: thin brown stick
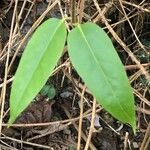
[[104, 11], [146, 140], [18, 18], [81, 10], [73, 11], [140, 44], [85, 115], [145, 111], [142, 98], [8, 81], [92, 147], [5, 146], [92, 125], [81, 119], [2, 99], [49, 130], [31, 30], [136, 6], [28, 143], [27, 14], [117, 38], [126, 141], [130, 67]]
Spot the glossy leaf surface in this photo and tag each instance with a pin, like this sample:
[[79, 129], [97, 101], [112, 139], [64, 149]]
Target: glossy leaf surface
[[97, 62], [37, 63]]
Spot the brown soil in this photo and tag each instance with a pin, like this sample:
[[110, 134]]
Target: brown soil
[[54, 124]]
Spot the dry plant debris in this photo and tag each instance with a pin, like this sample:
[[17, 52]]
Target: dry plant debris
[[128, 24]]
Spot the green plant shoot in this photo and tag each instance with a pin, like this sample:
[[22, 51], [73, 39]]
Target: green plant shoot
[[92, 55]]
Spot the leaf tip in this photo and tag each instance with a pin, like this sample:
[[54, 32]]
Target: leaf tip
[[133, 125], [10, 121]]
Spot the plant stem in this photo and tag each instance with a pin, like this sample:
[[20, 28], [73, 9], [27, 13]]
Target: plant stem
[[81, 10], [73, 11]]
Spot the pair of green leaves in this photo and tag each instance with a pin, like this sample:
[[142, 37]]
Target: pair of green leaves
[[92, 55]]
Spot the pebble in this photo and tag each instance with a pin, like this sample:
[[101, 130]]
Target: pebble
[[135, 145], [66, 94]]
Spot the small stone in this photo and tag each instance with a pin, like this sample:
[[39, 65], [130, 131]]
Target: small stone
[[135, 145], [66, 94], [96, 121], [67, 131]]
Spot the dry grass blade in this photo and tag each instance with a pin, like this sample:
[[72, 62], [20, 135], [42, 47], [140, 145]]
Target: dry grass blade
[[143, 99], [49, 130], [131, 26], [85, 115], [81, 10], [3, 93], [35, 25], [81, 118], [146, 140], [136, 6], [130, 67], [92, 125], [91, 145], [116, 37], [127, 23], [28, 143]]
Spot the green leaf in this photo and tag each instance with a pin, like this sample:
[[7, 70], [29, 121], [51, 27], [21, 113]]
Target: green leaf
[[96, 61], [52, 92], [37, 63], [49, 90], [45, 90]]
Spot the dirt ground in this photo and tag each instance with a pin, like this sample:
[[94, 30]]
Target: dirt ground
[[53, 123]]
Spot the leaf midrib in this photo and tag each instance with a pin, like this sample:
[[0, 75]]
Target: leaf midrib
[[100, 68], [40, 61]]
